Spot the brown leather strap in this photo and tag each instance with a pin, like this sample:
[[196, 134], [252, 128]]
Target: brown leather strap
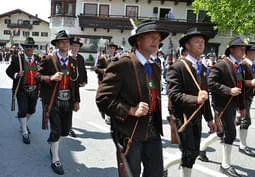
[[191, 74], [186, 121], [54, 61]]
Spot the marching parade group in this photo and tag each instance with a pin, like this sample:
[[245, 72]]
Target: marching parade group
[[129, 97]]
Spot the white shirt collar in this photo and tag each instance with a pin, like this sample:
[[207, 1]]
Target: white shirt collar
[[26, 58], [141, 58], [234, 60], [193, 60], [59, 56], [153, 57]]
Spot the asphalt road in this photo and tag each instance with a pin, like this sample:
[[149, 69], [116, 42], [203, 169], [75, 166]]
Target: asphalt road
[[92, 153]]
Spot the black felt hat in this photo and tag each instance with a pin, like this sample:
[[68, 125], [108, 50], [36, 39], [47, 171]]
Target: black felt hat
[[252, 47], [61, 35], [76, 40], [237, 41], [191, 33], [111, 44], [29, 42], [145, 27]]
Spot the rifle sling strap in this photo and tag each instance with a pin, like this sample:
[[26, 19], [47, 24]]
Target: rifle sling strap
[[54, 61]]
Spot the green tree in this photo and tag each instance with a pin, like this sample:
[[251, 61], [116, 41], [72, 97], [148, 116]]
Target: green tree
[[238, 15]]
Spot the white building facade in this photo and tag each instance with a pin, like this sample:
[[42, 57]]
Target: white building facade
[[98, 21], [19, 25]]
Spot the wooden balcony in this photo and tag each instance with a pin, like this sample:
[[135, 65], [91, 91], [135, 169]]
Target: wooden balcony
[[105, 22], [16, 25], [189, 2], [123, 23]]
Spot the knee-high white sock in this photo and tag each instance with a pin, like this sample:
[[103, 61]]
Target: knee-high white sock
[[185, 172], [243, 135], [209, 140], [226, 155], [55, 151], [28, 117], [23, 125]]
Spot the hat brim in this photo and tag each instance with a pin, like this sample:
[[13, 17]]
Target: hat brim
[[29, 45], [250, 48], [77, 43], [54, 41], [227, 51], [186, 38], [112, 45], [132, 39]]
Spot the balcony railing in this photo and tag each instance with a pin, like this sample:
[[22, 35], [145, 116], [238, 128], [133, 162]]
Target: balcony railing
[[106, 22], [16, 25], [123, 23]]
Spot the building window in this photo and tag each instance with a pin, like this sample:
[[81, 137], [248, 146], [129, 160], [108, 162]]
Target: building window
[[20, 21], [26, 33], [63, 8], [191, 17], [36, 22], [7, 32], [44, 34], [27, 22], [132, 11], [7, 21], [69, 9], [58, 9], [90, 9], [203, 17], [104, 10], [35, 33], [200, 17]]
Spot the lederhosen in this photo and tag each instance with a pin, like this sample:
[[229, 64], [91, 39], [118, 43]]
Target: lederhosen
[[62, 109], [191, 136], [28, 94]]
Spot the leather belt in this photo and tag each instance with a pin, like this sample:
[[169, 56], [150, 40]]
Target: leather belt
[[30, 88], [64, 95]]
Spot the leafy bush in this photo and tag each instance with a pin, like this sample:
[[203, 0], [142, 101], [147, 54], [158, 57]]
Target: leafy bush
[[90, 58]]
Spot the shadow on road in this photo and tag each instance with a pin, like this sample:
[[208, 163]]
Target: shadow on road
[[82, 133]]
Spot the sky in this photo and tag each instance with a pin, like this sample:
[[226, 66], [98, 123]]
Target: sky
[[40, 7]]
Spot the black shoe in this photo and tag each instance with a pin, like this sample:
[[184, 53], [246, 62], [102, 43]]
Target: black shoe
[[26, 139], [57, 168], [165, 173], [247, 151], [231, 172], [72, 133], [203, 157]]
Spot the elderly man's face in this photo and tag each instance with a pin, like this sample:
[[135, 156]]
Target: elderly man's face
[[63, 45], [195, 46], [237, 52], [149, 42]]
